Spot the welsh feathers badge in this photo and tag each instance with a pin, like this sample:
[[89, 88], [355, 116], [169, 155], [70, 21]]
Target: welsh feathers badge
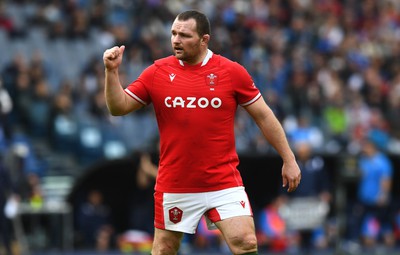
[[212, 80], [175, 215]]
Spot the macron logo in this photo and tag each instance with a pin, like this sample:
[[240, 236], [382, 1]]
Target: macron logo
[[172, 76]]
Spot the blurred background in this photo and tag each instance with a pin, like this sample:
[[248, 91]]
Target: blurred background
[[75, 180]]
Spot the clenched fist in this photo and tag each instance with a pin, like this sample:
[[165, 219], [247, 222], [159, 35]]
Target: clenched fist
[[112, 58]]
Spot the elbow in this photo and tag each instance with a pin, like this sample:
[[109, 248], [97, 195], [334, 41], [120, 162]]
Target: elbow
[[115, 112], [121, 108]]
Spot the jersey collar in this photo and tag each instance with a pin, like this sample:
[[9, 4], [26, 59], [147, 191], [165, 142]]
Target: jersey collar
[[205, 60]]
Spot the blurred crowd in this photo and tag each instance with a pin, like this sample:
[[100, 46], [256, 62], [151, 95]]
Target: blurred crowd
[[329, 69]]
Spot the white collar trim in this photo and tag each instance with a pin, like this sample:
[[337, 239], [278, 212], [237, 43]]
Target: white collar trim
[[205, 60]]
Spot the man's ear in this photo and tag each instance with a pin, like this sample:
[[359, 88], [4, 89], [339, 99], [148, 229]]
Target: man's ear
[[205, 39]]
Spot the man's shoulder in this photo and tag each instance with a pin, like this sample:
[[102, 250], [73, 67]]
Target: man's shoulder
[[221, 59], [170, 60], [226, 62]]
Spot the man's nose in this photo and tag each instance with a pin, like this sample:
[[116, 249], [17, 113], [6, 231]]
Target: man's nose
[[176, 39]]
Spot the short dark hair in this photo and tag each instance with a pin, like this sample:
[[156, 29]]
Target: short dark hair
[[202, 22]]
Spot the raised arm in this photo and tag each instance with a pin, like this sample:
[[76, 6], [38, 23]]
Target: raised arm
[[118, 102], [275, 135]]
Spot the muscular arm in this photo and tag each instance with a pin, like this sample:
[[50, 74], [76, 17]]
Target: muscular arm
[[275, 135], [118, 102]]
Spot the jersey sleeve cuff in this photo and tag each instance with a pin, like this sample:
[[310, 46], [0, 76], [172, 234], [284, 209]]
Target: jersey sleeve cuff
[[252, 100], [131, 94]]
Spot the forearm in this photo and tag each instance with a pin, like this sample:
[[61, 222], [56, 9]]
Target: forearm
[[114, 93], [271, 128], [275, 135], [118, 102]]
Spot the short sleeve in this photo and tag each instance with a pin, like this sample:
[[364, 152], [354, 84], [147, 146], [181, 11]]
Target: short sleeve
[[243, 85], [139, 89]]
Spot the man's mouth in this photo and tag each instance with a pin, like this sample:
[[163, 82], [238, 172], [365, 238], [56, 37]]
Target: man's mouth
[[178, 49]]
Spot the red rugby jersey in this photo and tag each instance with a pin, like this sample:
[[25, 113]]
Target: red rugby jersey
[[195, 108]]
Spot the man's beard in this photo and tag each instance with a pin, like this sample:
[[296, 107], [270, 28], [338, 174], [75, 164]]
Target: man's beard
[[184, 57]]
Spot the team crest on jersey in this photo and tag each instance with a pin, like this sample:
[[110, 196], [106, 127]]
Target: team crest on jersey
[[175, 215], [212, 80]]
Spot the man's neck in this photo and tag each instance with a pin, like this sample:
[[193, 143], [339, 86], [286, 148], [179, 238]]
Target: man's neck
[[206, 55]]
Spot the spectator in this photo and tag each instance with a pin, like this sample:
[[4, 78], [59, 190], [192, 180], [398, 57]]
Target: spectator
[[94, 222], [358, 113], [374, 196], [63, 122], [305, 132], [378, 130], [297, 91], [6, 106], [316, 186], [39, 109], [35, 191], [336, 123], [22, 99], [7, 191], [141, 209], [397, 226], [394, 109], [6, 22], [272, 233]]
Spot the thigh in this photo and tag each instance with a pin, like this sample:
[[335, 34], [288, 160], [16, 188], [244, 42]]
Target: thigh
[[166, 242], [239, 232], [236, 226]]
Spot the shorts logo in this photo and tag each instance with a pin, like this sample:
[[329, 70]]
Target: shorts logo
[[243, 203], [175, 215]]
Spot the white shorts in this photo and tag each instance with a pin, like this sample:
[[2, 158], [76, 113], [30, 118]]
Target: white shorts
[[182, 211]]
